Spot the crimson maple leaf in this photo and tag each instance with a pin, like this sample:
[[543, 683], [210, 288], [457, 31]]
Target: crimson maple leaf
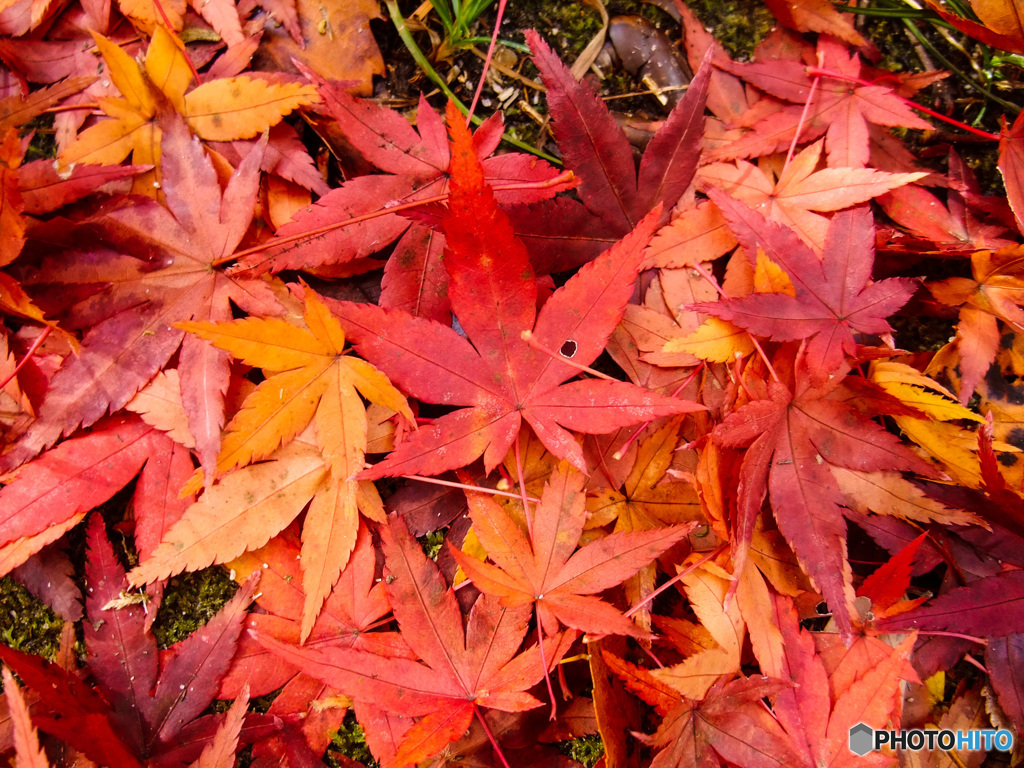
[[838, 108], [170, 276], [354, 607], [495, 371], [415, 163], [817, 712], [793, 437], [152, 698], [462, 669], [558, 579], [356, 603], [562, 234], [832, 295]]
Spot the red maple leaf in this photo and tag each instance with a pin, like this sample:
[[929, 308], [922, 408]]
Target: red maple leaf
[[495, 371], [152, 698], [416, 163], [53, 493], [838, 108], [462, 669], [833, 297], [730, 725], [132, 335], [793, 436]]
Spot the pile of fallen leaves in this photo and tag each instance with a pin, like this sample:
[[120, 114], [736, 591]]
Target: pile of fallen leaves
[[694, 496]]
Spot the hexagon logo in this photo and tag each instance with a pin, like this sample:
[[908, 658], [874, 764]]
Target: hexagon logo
[[862, 739]]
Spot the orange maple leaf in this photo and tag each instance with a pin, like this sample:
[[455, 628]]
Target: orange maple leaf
[[313, 381]]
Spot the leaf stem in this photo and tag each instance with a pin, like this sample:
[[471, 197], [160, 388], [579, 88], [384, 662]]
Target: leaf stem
[[70, 108], [957, 635], [28, 355], [971, 660], [490, 735], [803, 115], [487, 62], [463, 486], [177, 40], [629, 441], [819, 71], [678, 577], [527, 336], [544, 661], [566, 177], [421, 60]]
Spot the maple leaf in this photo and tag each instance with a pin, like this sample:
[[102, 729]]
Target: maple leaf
[[614, 196], [988, 607], [833, 297], [314, 380], [462, 669], [355, 606], [839, 109], [819, 722], [132, 336], [218, 110], [795, 437], [26, 739], [649, 499], [54, 492], [250, 505], [547, 571], [1001, 28], [220, 752], [800, 193], [967, 221], [152, 698], [357, 603], [16, 110], [496, 372], [816, 16], [1011, 166], [992, 294], [713, 648], [729, 724], [416, 161]]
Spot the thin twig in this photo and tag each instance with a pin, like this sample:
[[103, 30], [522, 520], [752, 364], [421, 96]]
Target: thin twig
[[487, 730], [463, 486], [28, 355]]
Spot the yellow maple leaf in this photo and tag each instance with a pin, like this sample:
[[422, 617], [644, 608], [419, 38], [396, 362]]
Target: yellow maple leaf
[[312, 383], [219, 110]]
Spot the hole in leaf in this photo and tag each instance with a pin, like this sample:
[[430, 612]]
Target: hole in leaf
[[568, 349]]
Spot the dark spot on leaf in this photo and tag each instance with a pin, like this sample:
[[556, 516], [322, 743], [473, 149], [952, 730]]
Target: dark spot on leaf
[[568, 349], [1015, 437]]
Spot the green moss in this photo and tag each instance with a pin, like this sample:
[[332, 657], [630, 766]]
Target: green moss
[[26, 623], [922, 333], [585, 749], [432, 543], [739, 25], [191, 600], [350, 742], [567, 26], [43, 145]]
